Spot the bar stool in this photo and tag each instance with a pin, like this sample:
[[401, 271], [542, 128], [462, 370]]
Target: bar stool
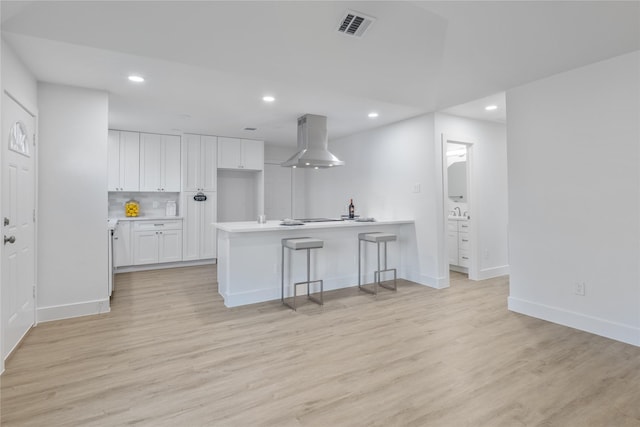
[[297, 244], [377, 238]]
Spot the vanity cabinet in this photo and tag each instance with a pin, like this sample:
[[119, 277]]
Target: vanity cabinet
[[200, 162], [234, 153], [123, 161], [458, 241], [159, 162], [157, 241]]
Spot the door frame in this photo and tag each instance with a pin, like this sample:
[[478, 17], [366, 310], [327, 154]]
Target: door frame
[[32, 113], [473, 208]]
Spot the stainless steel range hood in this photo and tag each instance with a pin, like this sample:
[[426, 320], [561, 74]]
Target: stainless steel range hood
[[313, 144]]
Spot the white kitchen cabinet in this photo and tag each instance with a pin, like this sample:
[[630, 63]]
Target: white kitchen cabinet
[[122, 254], [159, 162], [157, 241], [199, 235], [123, 160], [200, 162], [234, 153]]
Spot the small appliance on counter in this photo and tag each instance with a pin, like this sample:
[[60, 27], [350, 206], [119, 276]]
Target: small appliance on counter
[[131, 208], [171, 209]]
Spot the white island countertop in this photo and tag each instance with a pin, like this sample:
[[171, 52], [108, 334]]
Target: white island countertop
[[254, 226]]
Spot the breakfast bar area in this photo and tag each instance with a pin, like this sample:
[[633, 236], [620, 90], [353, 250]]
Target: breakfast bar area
[[250, 256]]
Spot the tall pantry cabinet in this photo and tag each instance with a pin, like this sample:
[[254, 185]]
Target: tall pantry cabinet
[[199, 203]]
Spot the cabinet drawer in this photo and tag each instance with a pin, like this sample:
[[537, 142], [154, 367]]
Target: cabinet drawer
[[463, 259], [463, 226], [157, 225], [463, 241]]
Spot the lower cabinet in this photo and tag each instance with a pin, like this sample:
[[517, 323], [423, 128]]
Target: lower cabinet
[[147, 242], [157, 241], [458, 242], [199, 234]]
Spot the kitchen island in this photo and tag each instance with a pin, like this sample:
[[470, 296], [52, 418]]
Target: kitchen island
[[249, 256]]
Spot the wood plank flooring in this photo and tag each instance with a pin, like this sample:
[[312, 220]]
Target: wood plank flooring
[[171, 354]]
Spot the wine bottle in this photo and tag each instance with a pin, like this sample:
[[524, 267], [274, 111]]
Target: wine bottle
[[352, 209]]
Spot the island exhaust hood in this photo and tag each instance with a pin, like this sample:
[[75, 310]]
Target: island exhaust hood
[[313, 144]]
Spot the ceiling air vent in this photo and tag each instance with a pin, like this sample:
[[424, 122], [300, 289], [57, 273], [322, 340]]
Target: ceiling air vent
[[355, 23]]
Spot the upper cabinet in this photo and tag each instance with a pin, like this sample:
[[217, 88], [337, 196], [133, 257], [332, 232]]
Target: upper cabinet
[[200, 162], [236, 153], [159, 162], [123, 161]]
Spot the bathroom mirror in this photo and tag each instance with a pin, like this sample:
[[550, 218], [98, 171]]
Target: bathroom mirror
[[457, 177]]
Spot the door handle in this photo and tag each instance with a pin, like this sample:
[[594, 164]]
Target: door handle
[[10, 239]]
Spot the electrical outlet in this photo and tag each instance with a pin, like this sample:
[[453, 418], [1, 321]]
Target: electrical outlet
[[579, 288], [416, 187]]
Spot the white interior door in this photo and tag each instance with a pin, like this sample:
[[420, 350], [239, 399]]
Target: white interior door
[[18, 218]]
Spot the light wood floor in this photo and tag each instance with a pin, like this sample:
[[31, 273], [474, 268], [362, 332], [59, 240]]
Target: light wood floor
[[171, 354]]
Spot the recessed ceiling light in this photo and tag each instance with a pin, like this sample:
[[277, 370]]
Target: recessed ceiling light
[[491, 107], [268, 98], [373, 115], [136, 79]]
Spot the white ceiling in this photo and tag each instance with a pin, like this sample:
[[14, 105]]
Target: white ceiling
[[207, 64]]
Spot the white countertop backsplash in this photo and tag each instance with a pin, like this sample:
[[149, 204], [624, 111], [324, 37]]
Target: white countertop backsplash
[[152, 205]]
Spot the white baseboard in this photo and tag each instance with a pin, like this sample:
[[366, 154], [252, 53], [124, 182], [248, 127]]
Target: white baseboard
[[616, 331], [237, 299], [146, 267], [490, 273], [68, 311]]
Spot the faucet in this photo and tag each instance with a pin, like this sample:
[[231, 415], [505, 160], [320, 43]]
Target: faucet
[[454, 211]]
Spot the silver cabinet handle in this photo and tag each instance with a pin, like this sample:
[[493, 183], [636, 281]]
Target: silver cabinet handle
[[10, 239]]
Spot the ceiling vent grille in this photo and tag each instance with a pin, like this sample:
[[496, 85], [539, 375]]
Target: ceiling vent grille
[[355, 23]]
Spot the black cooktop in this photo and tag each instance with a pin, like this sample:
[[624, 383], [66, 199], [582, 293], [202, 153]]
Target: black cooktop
[[317, 219]]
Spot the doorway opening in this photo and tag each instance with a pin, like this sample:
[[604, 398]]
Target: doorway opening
[[460, 242]]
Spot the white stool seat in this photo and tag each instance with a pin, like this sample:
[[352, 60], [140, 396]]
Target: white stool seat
[[377, 237], [303, 243]]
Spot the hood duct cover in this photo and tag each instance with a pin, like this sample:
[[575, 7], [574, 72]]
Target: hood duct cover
[[313, 145]]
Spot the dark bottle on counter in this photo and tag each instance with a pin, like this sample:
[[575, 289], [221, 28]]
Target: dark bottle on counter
[[352, 209]]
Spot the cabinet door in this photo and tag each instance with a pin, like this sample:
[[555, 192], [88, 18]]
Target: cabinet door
[[252, 154], [192, 215], [150, 161], [122, 254], [169, 246], [208, 237], [229, 153], [130, 161], [170, 163], [192, 163], [209, 153], [113, 161], [145, 247]]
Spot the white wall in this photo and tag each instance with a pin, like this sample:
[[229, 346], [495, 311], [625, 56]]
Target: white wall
[[382, 167], [488, 179], [16, 79], [574, 194], [72, 238]]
